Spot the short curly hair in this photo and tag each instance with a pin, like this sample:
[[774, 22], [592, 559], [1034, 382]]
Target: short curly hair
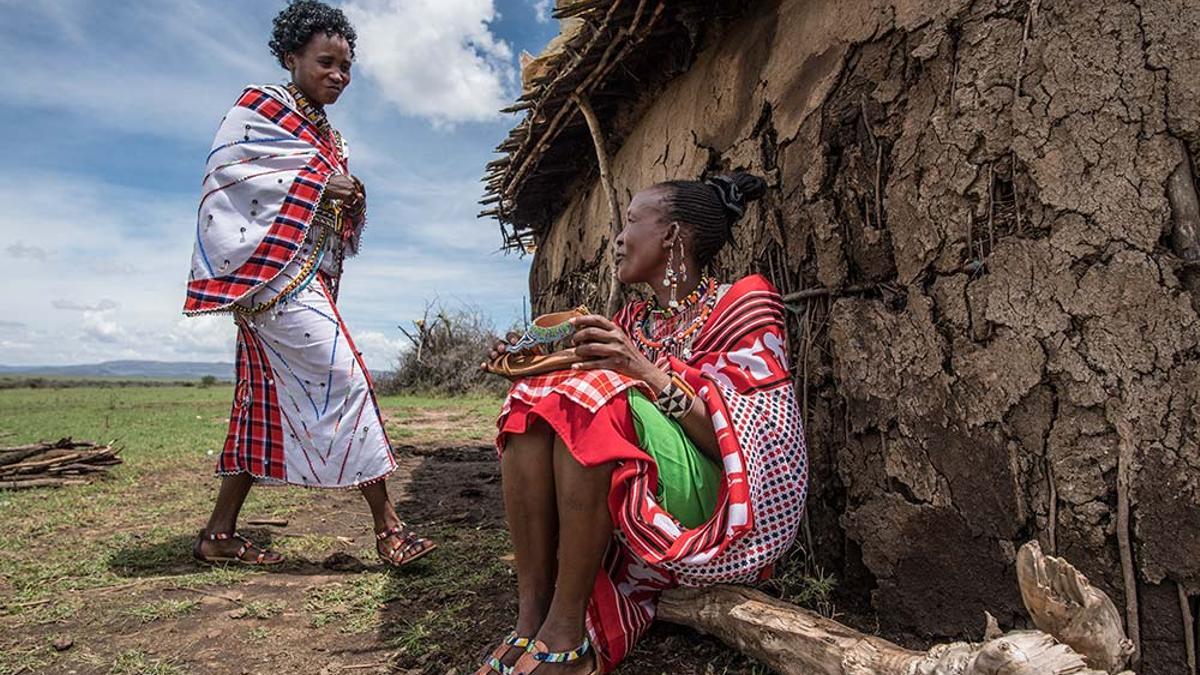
[[300, 20]]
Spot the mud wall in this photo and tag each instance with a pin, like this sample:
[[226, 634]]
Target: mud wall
[[997, 196]]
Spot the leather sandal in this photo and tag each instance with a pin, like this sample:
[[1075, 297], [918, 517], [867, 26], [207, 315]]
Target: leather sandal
[[260, 556], [530, 354], [537, 653], [409, 547]]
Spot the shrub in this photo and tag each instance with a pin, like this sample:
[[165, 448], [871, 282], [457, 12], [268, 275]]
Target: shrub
[[447, 348]]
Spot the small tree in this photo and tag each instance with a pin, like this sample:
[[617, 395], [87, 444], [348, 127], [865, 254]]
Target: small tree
[[208, 381]]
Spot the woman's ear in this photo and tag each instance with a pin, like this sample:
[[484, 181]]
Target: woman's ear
[[671, 234], [289, 62]]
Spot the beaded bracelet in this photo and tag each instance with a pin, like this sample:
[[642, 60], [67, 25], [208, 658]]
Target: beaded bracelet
[[675, 400]]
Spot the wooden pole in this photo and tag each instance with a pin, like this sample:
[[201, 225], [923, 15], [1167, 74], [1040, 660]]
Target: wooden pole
[[610, 192]]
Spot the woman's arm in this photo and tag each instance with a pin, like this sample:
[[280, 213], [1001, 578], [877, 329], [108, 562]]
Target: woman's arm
[[608, 347], [698, 426]]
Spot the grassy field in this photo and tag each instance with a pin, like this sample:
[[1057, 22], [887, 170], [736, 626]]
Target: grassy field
[[105, 570], [107, 558]]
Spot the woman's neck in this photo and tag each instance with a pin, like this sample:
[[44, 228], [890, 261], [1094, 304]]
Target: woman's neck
[[687, 284], [312, 102]]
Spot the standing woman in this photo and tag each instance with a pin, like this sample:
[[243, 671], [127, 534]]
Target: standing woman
[[279, 212], [672, 455]]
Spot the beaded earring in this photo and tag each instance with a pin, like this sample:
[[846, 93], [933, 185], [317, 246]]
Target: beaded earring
[[671, 276]]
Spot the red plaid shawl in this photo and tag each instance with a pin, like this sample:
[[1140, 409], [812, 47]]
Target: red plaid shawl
[[740, 368], [265, 148]]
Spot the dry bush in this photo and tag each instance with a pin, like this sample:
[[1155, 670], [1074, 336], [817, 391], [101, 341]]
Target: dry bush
[[447, 348]]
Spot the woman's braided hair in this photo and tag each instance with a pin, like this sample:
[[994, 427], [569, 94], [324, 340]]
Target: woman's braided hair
[[295, 25], [709, 208]]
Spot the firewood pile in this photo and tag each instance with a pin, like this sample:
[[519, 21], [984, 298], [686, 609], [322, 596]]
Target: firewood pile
[[65, 462]]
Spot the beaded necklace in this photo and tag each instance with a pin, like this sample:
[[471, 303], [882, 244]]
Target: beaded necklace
[[670, 338], [311, 112], [327, 215]]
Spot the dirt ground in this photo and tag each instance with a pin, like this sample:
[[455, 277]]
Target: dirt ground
[[133, 601]]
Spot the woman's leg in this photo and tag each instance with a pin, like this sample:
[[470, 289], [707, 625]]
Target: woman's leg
[[527, 471], [382, 510], [400, 545], [223, 520], [584, 533]]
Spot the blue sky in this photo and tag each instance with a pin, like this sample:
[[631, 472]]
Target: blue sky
[[110, 110]]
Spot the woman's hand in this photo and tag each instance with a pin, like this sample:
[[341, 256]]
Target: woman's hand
[[499, 349], [345, 188], [607, 346]]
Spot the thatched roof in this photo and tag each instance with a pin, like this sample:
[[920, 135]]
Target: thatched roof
[[609, 52]]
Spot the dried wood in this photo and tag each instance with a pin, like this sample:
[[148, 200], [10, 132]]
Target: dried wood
[[46, 464], [610, 192], [792, 640]]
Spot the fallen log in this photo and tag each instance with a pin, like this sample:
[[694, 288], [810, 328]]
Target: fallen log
[[796, 641]]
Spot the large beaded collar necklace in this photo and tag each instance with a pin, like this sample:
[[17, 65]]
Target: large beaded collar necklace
[[678, 339]]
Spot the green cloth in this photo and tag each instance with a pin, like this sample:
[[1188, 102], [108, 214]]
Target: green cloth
[[687, 479]]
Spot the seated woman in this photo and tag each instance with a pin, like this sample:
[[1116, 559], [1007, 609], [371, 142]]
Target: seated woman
[[673, 455]]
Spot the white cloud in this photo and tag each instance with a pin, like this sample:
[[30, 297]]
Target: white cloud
[[112, 245], [104, 305], [21, 250], [194, 75], [134, 312], [379, 351], [541, 9], [101, 325], [436, 59]]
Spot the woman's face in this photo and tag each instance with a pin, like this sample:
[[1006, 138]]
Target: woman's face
[[322, 68], [642, 245]]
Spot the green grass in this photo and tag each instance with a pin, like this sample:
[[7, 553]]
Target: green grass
[[260, 609], [29, 660], [258, 634], [801, 583], [95, 556], [137, 662], [352, 605], [163, 609]]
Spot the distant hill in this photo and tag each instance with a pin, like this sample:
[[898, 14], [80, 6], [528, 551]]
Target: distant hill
[[181, 370]]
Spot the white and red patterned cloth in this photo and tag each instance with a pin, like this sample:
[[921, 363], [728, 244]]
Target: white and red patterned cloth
[[304, 409], [739, 366], [589, 388], [264, 178]]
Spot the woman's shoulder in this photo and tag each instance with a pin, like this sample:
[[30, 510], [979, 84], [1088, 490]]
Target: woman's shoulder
[[630, 310], [756, 284], [275, 91]]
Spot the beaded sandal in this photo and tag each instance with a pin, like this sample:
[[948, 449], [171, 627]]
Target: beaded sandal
[[493, 663], [409, 548], [260, 554], [537, 653], [528, 355]]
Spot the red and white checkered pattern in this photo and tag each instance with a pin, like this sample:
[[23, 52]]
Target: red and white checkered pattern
[[588, 388]]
